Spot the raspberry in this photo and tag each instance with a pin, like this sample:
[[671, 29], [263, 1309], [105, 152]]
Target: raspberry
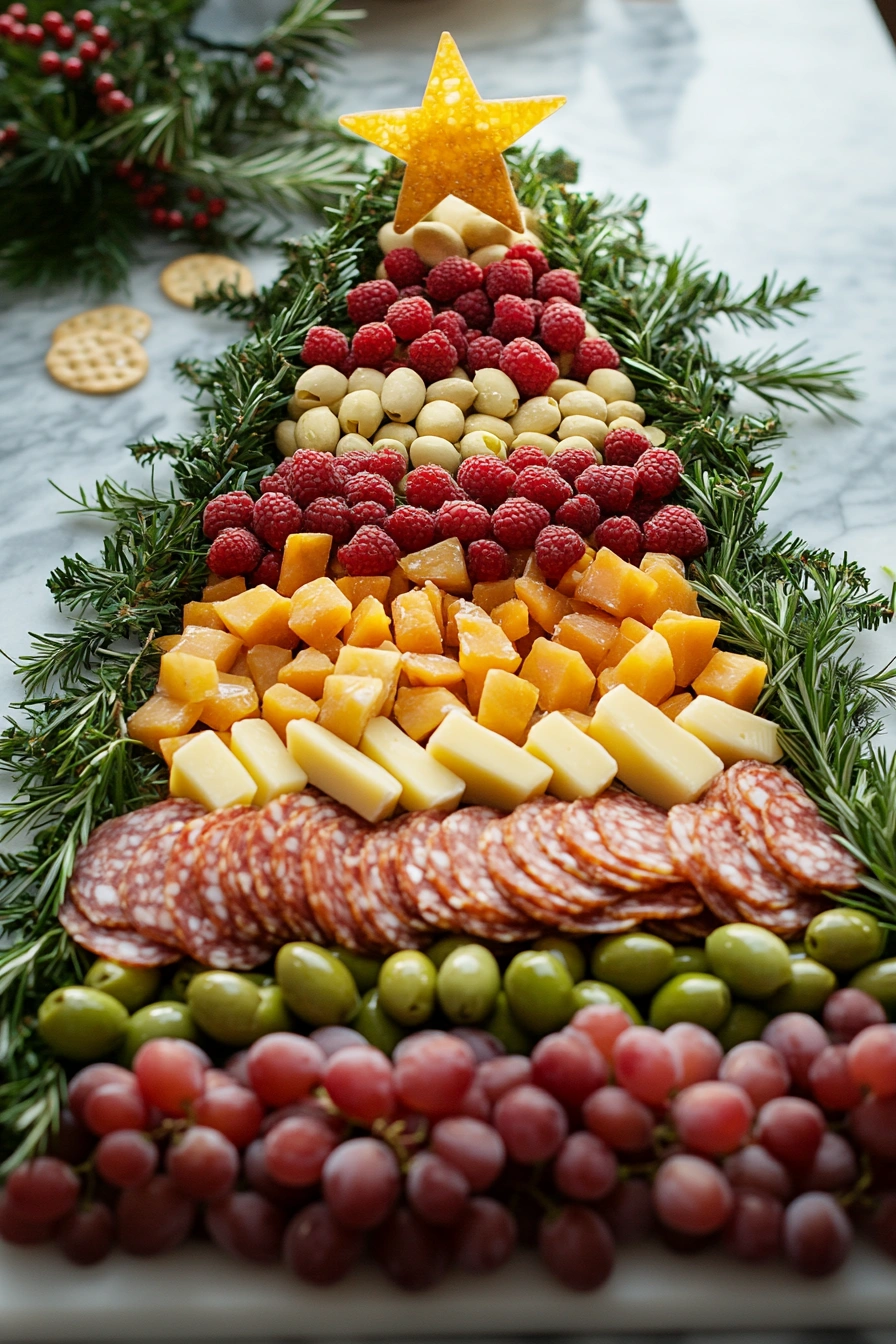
[[641, 509], [463, 519], [593, 353], [368, 301], [556, 548], [274, 518], [368, 513], [392, 364], [329, 514], [474, 307], [528, 366], [404, 267], [527, 455], [413, 529], [324, 345], [348, 365], [622, 447], [409, 318], [487, 562], [274, 484], [509, 277], [513, 318], [622, 535], [432, 356], [388, 463], [581, 513], [350, 463], [612, 487], [429, 486], [452, 277], [268, 571], [677, 531], [562, 326], [536, 308], [373, 343], [370, 551], [314, 474], [559, 284], [543, 486], [231, 510], [484, 353], [366, 485], [658, 472], [486, 479], [571, 462], [517, 522], [526, 251], [412, 292], [234, 551], [455, 328]]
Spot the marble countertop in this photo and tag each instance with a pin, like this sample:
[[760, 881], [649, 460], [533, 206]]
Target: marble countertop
[[760, 130]]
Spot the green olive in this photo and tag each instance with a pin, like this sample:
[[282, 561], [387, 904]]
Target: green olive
[[879, 980], [168, 1018], [539, 991], [596, 991], [636, 963], [407, 988], [445, 946], [272, 1013], [844, 939], [364, 970], [180, 980], [745, 1022], [797, 949], [468, 984], [688, 959], [375, 1024], [752, 961], [224, 1005], [505, 1027], [82, 1023], [131, 985], [810, 987], [317, 987], [691, 997], [569, 953]]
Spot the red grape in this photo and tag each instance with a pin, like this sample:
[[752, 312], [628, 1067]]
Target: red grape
[[361, 1182], [238, 1068], [87, 1080], [333, 1038], [498, 1076], [359, 1081], [691, 1195], [43, 1189], [832, 1084], [203, 1163], [86, 1236], [532, 1124], [296, 1149], [628, 1210], [618, 1118], [713, 1118], [873, 1124], [411, 1042], [798, 1038], [435, 1190], [247, 1225], [569, 1066], [154, 1217], [262, 1182], [758, 1069], [817, 1234], [486, 1236], [473, 1147], [432, 1076], [112, 1106], [791, 1129], [283, 1067], [19, 1231], [698, 1052], [233, 1110], [475, 1102], [577, 1247], [871, 1057], [216, 1078], [754, 1168], [602, 1023], [317, 1248], [585, 1167], [410, 1252], [170, 1073], [483, 1044], [312, 1109], [72, 1141], [645, 1065], [126, 1158], [834, 1167], [849, 1011], [753, 1231]]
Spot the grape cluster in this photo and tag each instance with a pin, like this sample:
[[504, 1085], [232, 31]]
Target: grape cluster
[[452, 1151]]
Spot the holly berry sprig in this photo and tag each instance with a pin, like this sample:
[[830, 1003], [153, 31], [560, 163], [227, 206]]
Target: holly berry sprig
[[96, 46]]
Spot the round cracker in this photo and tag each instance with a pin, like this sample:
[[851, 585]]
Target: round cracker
[[201, 273], [110, 317], [98, 362]]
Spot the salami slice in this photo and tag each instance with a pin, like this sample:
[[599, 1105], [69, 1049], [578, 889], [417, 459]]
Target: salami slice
[[732, 867], [287, 848], [458, 869], [354, 891], [787, 924], [579, 833], [236, 878], [384, 908], [411, 869], [528, 835], [210, 850], [142, 886], [804, 844], [634, 831], [681, 829], [123, 945], [327, 852], [101, 863], [530, 897], [262, 895], [390, 862], [750, 785]]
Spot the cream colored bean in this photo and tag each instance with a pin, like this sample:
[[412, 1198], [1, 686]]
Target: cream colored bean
[[564, 362], [441, 418], [394, 446], [388, 239], [298, 405], [496, 394], [319, 429], [353, 443], [361, 413], [483, 231], [656, 435], [560, 386], [583, 426], [584, 403], [478, 444], [626, 422], [431, 448], [611, 384], [532, 440], [458, 372], [591, 331], [484, 256], [630, 409], [366, 380], [405, 434], [285, 437], [539, 414], [381, 273], [577, 441], [491, 425], [454, 212], [459, 390], [434, 242], [321, 386], [402, 395]]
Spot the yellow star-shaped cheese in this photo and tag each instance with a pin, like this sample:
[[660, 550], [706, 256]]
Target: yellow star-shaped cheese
[[453, 143]]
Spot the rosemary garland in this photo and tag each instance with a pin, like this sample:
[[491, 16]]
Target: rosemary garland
[[67, 753]]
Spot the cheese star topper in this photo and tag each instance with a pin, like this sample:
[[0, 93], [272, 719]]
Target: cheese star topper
[[452, 145]]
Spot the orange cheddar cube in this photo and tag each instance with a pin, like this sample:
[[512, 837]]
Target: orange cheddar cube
[[184, 676], [372, 585], [258, 616], [348, 705], [651, 558], [732, 677], [675, 704], [431, 669], [437, 599], [614, 585], [482, 645], [506, 704], [628, 633], [577, 719], [170, 745], [691, 639], [281, 704], [570, 581], [236, 698], [202, 613], [240, 666], [442, 564], [369, 624], [607, 678], [647, 669], [265, 663], [220, 589], [165, 643], [513, 618], [382, 663], [420, 709], [204, 642], [561, 675], [307, 672], [318, 612], [546, 606], [491, 595], [449, 610], [673, 593], [305, 557], [398, 583], [415, 624], [524, 645], [592, 635], [162, 717]]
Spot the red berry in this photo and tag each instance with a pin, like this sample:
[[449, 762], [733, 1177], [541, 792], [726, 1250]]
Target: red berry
[[536, 308], [195, 194], [274, 518], [527, 365], [99, 32], [7, 25], [464, 519], [49, 63], [313, 475], [409, 318], [622, 447], [486, 479], [231, 510], [329, 514], [429, 486], [355, 460], [370, 301], [370, 551], [136, 180], [474, 307], [264, 62], [114, 102], [527, 455], [455, 328], [658, 471], [432, 356], [372, 344], [562, 326], [593, 353], [411, 528], [517, 522], [17, 10], [216, 206], [484, 352], [641, 509], [159, 217], [65, 36], [83, 20], [277, 483], [73, 67], [526, 251], [33, 34], [513, 317], [622, 536], [556, 548], [267, 571], [234, 551], [559, 284], [487, 562], [175, 217], [452, 277], [509, 277], [324, 345], [365, 485], [677, 531], [51, 20], [404, 267], [571, 462], [88, 51], [581, 513], [386, 462], [200, 220], [612, 487], [543, 486], [412, 292], [104, 83], [368, 513]]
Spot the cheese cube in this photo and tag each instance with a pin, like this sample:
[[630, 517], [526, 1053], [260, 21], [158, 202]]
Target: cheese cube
[[240, 667], [398, 583], [369, 624], [654, 757], [507, 704], [614, 585], [733, 734], [169, 745], [220, 589], [205, 642], [265, 662], [235, 698], [256, 745], [258, 616], [496, 773], [732, 677], [628, 633], [420, 709], [491, 595], [367, 585], [307, 672], [281, 704], [202, 613], [482, 645], [562, 676], [442, 564], [348, 705], [343, 772], [437, 602], [569, 582], [590, 634], [305, 557], [382, 663], [424, 782], [581, 768], [513, 618], [431, 669], [546, 606], [160, 717], [647, 668], [675, 704], [185, 677], [673, 593], [206, 771], [318, 612], [690, 640], [416, 627], [577, 719]]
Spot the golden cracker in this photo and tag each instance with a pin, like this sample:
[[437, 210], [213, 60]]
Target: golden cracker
[[97, 361], [118, 317], [201, 273]]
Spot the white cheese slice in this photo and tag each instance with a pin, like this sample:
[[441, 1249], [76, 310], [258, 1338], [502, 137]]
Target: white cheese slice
[[733, 734], [424, 782], [581, 767], [342, 771], [209, 773], [258, 747], [496, 772]]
